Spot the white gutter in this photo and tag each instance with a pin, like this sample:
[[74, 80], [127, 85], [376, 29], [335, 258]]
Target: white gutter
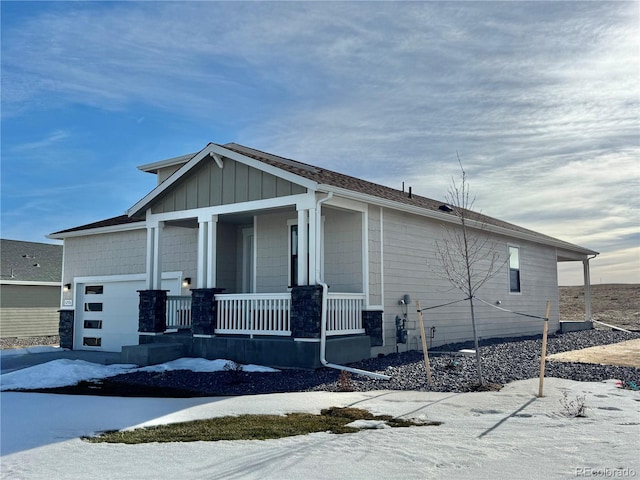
[[448, 218], [323, 319]]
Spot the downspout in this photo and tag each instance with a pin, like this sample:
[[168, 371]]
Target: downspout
[[323, 314]]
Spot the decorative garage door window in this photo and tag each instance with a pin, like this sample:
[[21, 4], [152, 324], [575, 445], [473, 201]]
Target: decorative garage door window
[[93, 324], [93, 289], [92, 307], [92, 341]]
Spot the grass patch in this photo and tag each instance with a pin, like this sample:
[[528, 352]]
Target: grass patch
[[252, 427]]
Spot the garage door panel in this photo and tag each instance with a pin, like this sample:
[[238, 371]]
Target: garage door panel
[[107, 314]]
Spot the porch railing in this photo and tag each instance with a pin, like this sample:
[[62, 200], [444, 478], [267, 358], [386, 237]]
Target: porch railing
[[254, 314], [344, 313], [268, 313], [178, 312]]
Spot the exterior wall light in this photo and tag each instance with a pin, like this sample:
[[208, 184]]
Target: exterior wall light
[[67, 287], [186, 282]]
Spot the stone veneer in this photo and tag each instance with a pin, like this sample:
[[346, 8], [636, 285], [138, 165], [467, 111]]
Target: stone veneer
[[203, 310], [152, 312], [65, 328], [372, 323], [306, 311]]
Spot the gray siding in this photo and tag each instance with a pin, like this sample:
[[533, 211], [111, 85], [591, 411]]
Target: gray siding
[[124, 253], [272, 261], [375, 261], [207, 185], [120, 253], [343, 250], [29, 310], [180, 252], [410, 268]]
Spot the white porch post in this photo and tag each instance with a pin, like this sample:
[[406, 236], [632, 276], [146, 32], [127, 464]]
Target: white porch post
[[202, 254], [587, 290], [207, 233], [303, 276], [313, 273], [212, 247], [154, 256]]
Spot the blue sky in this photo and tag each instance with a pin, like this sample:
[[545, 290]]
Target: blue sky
[[540, 100]]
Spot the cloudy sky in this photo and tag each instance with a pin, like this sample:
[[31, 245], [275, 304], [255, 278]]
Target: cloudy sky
[[540, 100]]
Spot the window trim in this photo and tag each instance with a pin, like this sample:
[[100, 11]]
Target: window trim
[[519, 269]]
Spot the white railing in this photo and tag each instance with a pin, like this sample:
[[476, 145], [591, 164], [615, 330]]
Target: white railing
[[178, 312], [344, 313], [254, 314]]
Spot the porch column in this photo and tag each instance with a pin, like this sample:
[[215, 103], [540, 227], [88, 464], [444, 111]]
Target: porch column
[[587, 290], [303, 252], [313, 245], [207, 233], [154, 256]]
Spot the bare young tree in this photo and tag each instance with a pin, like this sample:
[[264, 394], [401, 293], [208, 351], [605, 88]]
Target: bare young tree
[[467, 256]]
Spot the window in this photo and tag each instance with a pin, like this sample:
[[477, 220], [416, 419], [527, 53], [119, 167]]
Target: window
[[293, 249], [92, 341], [93, 307], [93, 290], [514, 269], [293, 239], [93, 324]]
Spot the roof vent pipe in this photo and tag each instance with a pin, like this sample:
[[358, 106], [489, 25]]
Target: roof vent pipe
[[409, 192]]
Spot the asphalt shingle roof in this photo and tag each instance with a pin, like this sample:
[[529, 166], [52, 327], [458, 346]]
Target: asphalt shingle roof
[[30, 261], [347, 182]]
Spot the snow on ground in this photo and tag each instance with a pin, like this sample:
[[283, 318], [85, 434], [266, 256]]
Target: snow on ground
[[486, 435], [62, 372]]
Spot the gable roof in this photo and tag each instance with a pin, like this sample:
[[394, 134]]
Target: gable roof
[[30, 262], [317, 178]]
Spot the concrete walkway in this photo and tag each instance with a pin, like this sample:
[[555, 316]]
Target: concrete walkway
[[17, 359]]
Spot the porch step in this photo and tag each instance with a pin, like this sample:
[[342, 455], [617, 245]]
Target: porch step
[[152, 353]]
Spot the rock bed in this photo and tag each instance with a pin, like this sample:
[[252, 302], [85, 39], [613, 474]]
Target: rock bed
[[23, 342], [503, 361]]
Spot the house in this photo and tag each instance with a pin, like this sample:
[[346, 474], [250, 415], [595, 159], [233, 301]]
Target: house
[[29, 288], [244, 255]]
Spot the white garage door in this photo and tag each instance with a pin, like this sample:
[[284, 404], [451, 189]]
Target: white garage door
[[107, 314]]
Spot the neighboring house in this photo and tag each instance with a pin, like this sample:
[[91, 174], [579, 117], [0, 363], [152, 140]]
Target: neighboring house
[[241, 254], [29, 288]]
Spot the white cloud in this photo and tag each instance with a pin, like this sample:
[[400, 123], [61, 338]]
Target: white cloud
[[540, 99]]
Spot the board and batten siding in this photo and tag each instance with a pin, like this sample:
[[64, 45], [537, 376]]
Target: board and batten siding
[[29, 310], [208, 185], [411, 267]]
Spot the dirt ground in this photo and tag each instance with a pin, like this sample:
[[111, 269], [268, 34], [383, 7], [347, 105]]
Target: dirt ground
[[615, 304], [625, 354]]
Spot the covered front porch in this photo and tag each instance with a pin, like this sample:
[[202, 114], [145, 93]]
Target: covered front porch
[[281, 330], [274, 275]]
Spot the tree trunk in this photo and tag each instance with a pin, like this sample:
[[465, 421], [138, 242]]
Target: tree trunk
[[475, 340]]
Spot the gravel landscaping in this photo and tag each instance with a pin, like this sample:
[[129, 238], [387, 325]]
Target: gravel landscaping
[[23, 342], [504, 360]]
